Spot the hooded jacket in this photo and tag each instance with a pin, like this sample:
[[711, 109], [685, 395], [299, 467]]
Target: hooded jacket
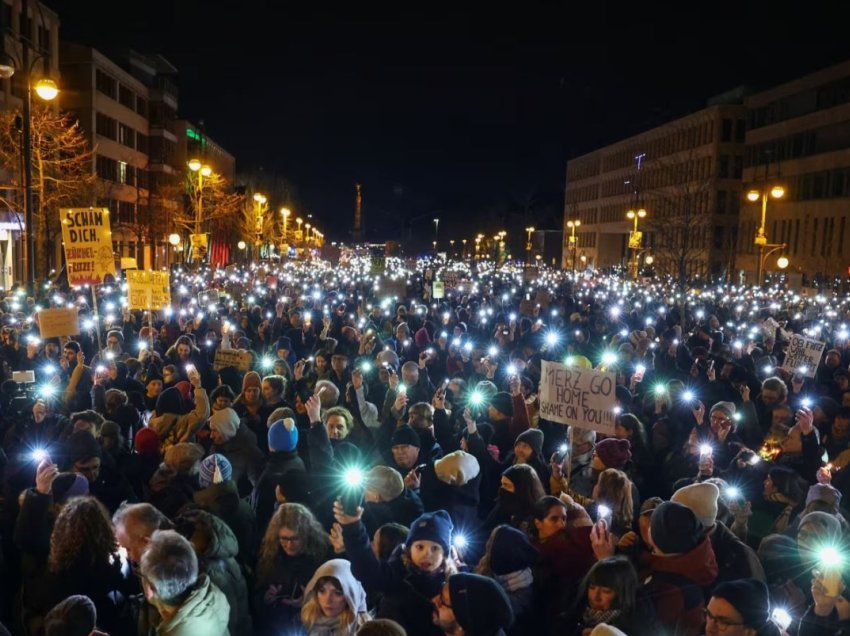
[[245, 457], [174, 428], [223, 500], [206, 611], [352, 590]]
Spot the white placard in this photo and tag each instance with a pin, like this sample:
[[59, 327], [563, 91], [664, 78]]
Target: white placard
[[577, 396], [803, 355]]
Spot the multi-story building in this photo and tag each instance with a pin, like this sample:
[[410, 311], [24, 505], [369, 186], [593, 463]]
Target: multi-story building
[[685, 174], [798, 137], [194, 143]]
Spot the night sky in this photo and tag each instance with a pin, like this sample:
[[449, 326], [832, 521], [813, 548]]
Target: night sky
[[468, 114]]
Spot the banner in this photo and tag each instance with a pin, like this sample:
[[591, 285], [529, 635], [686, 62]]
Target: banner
[[199, 245], [148, 290], [60, 321], [803, 355], [439, 290], [580, 397], [88, 245], [238, 358], [634, 239]]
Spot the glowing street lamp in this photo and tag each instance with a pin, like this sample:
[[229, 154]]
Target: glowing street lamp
[[285, 212], [202, 170], [573, 224], [46, 89], [635, 237], [776, 192]]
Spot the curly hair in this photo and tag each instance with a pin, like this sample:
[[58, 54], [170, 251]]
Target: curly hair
[[82, 536], [615, 490], [300, 520]]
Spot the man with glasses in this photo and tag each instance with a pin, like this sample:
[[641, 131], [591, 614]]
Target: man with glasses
[[472, 605], [740, 608]]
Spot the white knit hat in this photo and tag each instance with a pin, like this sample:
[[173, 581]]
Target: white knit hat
[[457, 468], [701, 499]]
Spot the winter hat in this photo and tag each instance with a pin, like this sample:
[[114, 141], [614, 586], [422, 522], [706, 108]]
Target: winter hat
[[480, 604], [186, 390], [421, 338], [81, 446], [405, 435], [432, 526], [215, 463], [826, 494], [727, 408], [112, 430], [170, 401], [146, 441], [511, 551], [152, 374], [457, 468], [674, 528], [75, 616], [295, 486], [283, 343], [701, 499], [67, 485], [604, 629], [503, 402], [613, 452], [749, 597], [280, 413], [183, 457], [251, 380], [283, 436], [533, 437], [385, 481], [225, 422], [114, 333]]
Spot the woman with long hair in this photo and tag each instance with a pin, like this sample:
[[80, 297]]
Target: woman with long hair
[[334, 601], [293, 547], [613, 500]]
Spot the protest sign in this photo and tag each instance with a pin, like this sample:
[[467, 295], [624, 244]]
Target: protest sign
[[803, 355], [88, 245], [238, 358], [60, 321], [439, 290], [576, 396], [148, 290]]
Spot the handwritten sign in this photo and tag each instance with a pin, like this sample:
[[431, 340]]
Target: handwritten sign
[[88, 245], [581, 397], [148, 290], [238, 358], [60, 321], [439, 290], [803, 355]]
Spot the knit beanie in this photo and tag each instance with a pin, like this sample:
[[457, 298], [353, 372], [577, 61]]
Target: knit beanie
[[214, 469], [283, 436], [295, 486], [225, 422], [457, 468], [701, 499], [67, 485], [405, 435], [283, 343], [613, 452], [674, 528], [170, 401], [75, 616], [432, 526], [152, 374], [480, 604], [82, 446], [534, 438], [511, 551], [826, 494], [280, 413], [251, 380], [421, 338], [749, 597], [604, 629], [146, 441], [503, 402], [385, 481], [115, 333], [727, 408], [183, 457]]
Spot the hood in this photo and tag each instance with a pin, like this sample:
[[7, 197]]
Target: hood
[[340, 569], [698, 565], [218, 498], [213, 533], [206, 611]]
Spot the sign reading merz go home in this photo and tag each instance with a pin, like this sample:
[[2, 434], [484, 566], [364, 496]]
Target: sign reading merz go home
[[87, 236], [580, 397]]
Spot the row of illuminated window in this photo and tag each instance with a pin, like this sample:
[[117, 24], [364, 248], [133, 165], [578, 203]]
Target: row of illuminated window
[[121, 172], [120, 93]]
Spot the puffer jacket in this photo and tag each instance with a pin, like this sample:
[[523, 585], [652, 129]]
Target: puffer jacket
[[173, 428], [217, 548]]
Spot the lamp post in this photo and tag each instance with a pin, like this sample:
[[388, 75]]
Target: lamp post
[[285, 212], [307, 226], [478, 244], [259, 208], [530, 231], [572, 240], [436, 230], [464, 248], [202, 170], [635, 237], [173, 240], [777, 192], [299, 221]]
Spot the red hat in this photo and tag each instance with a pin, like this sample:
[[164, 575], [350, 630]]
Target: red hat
[[185, 390], [613, 452], [146, 442]]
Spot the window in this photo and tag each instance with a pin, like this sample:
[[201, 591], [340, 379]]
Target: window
[[142, 143], [105, 84], [126, 136], [106, 168], [126, 97], [740, 130], [141, 106], [44, 39], [122, 172], [723, 166], [7, 15], [722, 199], [106, 126], [737, 166], [726, 130]]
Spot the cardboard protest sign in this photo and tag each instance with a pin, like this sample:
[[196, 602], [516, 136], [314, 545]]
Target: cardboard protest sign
[[238, 358], [576, 396], [60, 321], [148, 290], [88, 245], [803, 355], [439, 290]]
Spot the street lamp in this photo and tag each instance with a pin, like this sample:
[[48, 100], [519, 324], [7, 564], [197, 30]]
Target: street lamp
[[285, 212], [259, 209], [635, 237], [307, 233], [452, 250], [202, 171], [530, 231], [436, 229], [299, 221], [464, 248], [777, 192], [572, 241]]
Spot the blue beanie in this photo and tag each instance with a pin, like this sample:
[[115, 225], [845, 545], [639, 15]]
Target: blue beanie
[[511, 551], [283, 436], [206, 474], [432, 526]]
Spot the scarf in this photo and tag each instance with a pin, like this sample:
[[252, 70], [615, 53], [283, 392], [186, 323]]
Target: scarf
[[592, 617], [513, 581]]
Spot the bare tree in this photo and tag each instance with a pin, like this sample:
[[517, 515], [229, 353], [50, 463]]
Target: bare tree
[[203, 205]]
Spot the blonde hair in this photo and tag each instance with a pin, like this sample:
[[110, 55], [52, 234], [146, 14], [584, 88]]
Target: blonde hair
[[300, 520], [311, 611], [615, 490]]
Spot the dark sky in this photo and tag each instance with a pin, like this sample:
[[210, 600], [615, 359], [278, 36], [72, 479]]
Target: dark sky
[[462, 113]]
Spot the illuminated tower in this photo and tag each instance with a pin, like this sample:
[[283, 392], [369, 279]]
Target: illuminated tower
[[357, 232]]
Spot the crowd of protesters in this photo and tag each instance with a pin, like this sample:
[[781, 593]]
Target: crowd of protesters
[[293, 450]]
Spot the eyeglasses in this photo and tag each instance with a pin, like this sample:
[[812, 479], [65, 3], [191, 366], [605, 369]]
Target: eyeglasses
[[723, 623], [294, 539], [719, 419]]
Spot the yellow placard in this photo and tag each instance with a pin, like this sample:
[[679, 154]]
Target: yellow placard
[[59, 321], [88, 245], [148, 290]]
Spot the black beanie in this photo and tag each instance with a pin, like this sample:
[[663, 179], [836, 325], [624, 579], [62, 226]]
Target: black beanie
[[749, 597], [675, 528], [75, 616], [81, 446], [511, 551], [405, 434], [170, 401], [480, 604], [503, 402]]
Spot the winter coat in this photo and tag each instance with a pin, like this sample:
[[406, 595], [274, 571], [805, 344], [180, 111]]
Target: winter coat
[[223, 500], [173, 428], [461, 502], [676, 588], [564, 560], [206, 611], [217, 557], [245, 457], [404, 509], [170, 491], [735, 559], [263, 498]]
